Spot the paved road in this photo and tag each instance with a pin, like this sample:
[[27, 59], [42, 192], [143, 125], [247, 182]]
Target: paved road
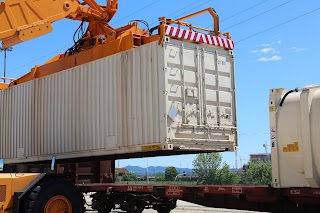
[[184, 207]]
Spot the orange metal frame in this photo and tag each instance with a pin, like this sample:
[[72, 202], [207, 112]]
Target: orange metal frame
[[92, 47], [180, 22]]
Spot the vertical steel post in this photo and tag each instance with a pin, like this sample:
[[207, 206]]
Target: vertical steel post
[[4, 65], [5, 61]]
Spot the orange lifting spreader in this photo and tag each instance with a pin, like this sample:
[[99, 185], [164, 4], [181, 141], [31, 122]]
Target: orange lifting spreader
[[22, 20]]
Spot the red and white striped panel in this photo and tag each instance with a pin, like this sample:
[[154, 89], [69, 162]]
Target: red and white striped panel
[[199, 37]]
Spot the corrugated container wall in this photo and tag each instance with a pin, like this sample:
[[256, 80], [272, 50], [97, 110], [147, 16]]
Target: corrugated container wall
[[295, 138], [179, 96]]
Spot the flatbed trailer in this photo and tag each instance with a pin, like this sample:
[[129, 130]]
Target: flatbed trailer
[[252, 198], [97, 178]]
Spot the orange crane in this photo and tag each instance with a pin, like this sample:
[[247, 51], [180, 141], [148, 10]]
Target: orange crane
[[26, 19], [23, 20]]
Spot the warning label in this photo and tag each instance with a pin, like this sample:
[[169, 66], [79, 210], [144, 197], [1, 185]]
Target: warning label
[[291, 147], [174, 191], [153, 147]]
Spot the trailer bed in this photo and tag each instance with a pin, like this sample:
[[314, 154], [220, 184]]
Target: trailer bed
[[252, 198]]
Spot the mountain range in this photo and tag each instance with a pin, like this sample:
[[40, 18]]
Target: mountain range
[[153, 170]]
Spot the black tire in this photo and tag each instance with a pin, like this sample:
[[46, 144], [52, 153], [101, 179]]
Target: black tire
[[164, 210], [137, 207], [104, 210], [40, 196], [101, 202]]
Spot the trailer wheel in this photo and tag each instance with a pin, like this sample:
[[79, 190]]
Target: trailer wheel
[[104, 210], [136, 206], [101, 202], [164, 209], [55, 196]]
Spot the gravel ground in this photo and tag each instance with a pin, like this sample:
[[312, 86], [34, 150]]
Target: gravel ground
[[182, 207]]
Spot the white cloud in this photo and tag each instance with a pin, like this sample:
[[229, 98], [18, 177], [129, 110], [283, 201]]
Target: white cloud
[[273, 58], [296, 49], [266, 50]]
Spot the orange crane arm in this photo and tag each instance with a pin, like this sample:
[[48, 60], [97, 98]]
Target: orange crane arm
[[22, 20]]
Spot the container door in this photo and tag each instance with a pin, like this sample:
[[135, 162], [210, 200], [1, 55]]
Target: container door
[[201, 87], [218, 87], [200, 96], [183, 84]]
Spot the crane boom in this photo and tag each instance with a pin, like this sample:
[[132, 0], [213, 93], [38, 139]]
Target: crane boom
[[22, 20]]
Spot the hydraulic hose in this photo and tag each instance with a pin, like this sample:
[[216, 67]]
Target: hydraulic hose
[[284, 97]]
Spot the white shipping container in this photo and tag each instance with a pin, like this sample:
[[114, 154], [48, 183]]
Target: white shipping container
[[177, 97], [295, 137]]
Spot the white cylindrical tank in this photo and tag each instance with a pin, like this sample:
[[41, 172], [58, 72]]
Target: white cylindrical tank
[[295, 134]]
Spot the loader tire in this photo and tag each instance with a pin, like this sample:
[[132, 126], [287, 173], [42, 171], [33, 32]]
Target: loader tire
[[55, 196]]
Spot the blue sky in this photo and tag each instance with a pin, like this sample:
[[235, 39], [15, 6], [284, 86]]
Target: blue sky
[[284, 56]]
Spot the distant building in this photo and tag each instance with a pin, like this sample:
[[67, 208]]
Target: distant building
[[260, 157], [121, 171]]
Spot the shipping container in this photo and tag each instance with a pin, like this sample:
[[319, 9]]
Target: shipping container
[[179, 97], [295, 137]]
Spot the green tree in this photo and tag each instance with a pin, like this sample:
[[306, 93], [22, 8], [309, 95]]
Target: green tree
[[257, 173], [116, 176], [129, 176], [170, 173], [159, 177], [209, 168], [226, 177]]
